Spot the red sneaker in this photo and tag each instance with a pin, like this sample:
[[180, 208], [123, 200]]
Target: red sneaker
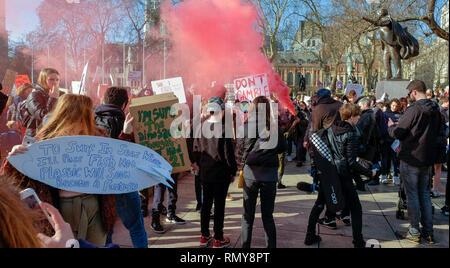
[[205, 241], [222, 244]]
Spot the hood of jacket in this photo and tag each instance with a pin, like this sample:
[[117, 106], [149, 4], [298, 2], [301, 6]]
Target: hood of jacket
[[341, 127], [109, 110], [326, 100], [428, 107]]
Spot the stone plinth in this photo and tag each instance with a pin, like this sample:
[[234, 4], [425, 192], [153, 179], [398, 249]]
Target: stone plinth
[[396, 89]]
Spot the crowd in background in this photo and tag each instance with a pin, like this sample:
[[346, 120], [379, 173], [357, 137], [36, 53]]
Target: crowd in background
[[368, 139]]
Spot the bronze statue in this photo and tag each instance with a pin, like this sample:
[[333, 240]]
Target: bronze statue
[[397, 43]]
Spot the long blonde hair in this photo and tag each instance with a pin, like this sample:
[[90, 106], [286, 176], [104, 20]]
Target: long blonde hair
[[73, 116], [43, 75]]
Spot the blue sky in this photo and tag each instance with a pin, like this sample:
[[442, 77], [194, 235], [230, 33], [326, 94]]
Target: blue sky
[[21, 17]]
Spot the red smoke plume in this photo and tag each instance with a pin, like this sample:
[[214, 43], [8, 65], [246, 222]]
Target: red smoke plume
[[217, 40]]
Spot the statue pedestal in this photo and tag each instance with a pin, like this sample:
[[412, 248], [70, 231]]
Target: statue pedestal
[[396, 89]]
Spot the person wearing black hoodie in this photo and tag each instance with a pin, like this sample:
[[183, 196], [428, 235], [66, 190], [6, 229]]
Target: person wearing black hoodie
[[421, 133], [110, 116], [343, 145]]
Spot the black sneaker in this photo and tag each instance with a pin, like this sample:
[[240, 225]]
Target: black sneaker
[[157, 227], [175, 219], [444, 210], [429, 239], [359, 244], [330, 224], [374, 182], [281, 186], [163, 210], [311, 239], [198, 208]]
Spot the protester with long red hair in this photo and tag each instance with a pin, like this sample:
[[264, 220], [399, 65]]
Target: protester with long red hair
[[90, 216]]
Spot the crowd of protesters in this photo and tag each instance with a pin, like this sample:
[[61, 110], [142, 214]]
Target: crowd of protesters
[[367, 141]]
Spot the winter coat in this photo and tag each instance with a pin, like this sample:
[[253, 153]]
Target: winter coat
[[369, 139], [325, 114], [344, 146], [263, 163], [39, 104], [421, 133], [110, 118]]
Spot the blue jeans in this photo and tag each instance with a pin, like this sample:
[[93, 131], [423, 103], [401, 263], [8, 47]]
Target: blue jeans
[[417, 182], [129, 211]]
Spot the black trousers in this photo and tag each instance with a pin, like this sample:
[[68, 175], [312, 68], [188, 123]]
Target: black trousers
[[198, 190], [352, 204], [172, 197], [214, 193]]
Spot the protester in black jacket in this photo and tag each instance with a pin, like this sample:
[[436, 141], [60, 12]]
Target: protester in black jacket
[[218, 167], [260, 172], [421, 134], [42, 100], [110, 116], [344, 144]]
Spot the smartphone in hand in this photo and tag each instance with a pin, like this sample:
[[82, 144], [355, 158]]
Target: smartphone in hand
[[30, 198]]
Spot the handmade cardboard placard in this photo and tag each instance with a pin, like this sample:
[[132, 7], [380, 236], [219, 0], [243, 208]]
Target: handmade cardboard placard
[[251, 87], [93, 165], [8, 81], [153, 118], [174, 85]]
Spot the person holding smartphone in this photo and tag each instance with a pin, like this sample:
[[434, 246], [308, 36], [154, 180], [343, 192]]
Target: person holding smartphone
[[19, 231], [91, 217]]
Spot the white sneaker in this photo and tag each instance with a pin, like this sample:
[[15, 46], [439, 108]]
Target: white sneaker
[[384, 179], [397, 180]]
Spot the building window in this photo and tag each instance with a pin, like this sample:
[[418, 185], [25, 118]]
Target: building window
[[308, 43], [290, 79], [314, 43], [308, 79]]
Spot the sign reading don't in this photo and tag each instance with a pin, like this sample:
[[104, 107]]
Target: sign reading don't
[[93, 165]]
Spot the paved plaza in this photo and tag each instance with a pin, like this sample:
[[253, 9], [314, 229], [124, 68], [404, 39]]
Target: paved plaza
[[292, 210]]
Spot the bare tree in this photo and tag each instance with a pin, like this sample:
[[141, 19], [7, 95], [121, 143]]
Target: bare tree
[[275, 16]]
